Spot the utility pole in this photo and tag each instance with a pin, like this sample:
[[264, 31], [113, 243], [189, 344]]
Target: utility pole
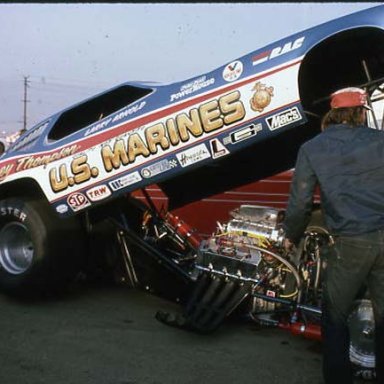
[[25, 101]]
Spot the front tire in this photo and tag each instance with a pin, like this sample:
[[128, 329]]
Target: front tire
[[38, 251]]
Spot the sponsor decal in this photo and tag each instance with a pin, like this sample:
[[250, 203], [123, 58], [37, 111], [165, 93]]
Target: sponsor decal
[[5, 171], [124, 181], [204, 119], [97, 127], [77, 201], [29, 162], [159, 167], [10, 139], [62, 208], [78, 172], [260, 58], [193, 86], [129, 111], [99, 192], [193, 155], [218, 149], [5, 211], [262, 97], [277, 51], [243, 134], [233, 71], [29, 138], [146, 173], [283, 118], [121, 115]]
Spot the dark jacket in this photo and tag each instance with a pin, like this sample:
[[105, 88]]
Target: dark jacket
[[348, 165]]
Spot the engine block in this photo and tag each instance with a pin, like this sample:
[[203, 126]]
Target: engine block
[[239, 246]]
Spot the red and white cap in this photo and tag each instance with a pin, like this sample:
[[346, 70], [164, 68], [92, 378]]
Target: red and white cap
[[349, 97]]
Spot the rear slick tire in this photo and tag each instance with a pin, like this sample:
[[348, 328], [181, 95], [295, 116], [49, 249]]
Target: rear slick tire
[[39, 252]]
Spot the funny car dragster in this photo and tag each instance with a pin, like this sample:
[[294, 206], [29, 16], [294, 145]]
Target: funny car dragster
[[65, 184]]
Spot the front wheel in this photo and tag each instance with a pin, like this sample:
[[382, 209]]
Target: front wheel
[[38, 250]]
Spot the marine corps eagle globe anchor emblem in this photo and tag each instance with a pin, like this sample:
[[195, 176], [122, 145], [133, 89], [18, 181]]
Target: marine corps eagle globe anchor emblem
[[262, 96]]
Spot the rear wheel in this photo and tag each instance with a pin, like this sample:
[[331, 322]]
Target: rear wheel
[[38, 250]]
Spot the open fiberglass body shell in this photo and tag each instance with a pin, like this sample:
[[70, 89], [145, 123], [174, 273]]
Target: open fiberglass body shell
[[215, 132], [239, 123]]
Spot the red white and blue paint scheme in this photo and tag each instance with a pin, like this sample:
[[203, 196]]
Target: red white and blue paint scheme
[[238, 123], [216, 132]]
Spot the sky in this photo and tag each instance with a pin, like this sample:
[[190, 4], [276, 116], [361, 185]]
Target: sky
[[69, 52]]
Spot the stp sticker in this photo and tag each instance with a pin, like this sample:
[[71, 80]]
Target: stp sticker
[[77, 201], [233, 71]]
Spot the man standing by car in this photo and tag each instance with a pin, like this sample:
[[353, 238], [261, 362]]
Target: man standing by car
[[346, 161]]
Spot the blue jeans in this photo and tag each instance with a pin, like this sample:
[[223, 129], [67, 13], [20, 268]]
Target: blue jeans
[[350, 263]]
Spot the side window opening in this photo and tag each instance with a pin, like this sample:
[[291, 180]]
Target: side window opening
[[93, 110]]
